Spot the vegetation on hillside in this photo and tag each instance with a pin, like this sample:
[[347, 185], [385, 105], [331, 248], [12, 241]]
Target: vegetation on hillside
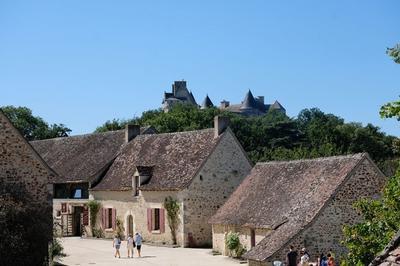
[[275, 136]]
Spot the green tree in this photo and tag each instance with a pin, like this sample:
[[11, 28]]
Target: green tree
[[381, 220], [394, 53], [33, 127]]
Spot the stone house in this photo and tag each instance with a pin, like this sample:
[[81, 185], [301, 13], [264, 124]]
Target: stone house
[[21, 166], [78, 160], [199, 169], [304, 203]]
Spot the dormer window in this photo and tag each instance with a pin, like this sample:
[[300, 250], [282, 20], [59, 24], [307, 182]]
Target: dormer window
[[136, 183]]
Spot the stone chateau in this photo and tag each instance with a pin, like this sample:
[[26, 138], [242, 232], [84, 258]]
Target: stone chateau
[[249, 106]]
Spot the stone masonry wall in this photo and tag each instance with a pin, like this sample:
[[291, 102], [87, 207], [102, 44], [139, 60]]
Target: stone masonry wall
[[125, 205], [326, 231], [224, 170], [20, 164], [220, 232]]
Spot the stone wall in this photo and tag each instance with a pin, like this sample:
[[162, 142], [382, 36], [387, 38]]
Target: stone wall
[[325, 232], [220, 231], [222, 173], [21, 166], [125, 205]]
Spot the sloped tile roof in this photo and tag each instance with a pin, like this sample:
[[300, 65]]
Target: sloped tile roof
[[175, 159], [78, 158], [284, 197]]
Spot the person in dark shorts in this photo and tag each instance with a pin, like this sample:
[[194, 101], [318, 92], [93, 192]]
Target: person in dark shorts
[[138, 242], [291, 257]]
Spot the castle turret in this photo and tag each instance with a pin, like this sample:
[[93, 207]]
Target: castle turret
[[207, 103], [249, 102]]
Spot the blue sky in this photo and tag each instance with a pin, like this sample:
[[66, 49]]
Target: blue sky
[[83, 62]]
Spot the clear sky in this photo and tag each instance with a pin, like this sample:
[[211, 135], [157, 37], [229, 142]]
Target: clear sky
[[83, 62]]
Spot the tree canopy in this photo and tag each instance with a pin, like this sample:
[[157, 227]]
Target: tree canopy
[[274, 136], [33, 127]]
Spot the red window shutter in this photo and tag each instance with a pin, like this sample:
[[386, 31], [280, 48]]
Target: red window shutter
[[149, 220], [85, 216], [162, 221], [103, 218], [114, 218]]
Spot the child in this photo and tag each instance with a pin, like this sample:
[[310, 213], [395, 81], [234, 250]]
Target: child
[[117, 245]]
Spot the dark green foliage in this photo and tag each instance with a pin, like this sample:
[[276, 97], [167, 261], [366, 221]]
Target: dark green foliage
[[57, 250], [381, 221], [394, 53], [26, 227], [33, 127], [275, 136]]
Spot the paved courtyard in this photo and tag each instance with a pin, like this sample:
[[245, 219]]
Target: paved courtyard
[[100, 252]]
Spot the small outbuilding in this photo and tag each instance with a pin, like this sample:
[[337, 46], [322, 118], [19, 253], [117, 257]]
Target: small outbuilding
[[304, 203]]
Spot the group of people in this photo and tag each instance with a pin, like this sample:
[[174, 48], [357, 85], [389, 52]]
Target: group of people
[[131, 243], [292, 258]]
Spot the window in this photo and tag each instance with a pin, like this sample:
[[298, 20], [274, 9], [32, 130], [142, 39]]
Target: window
[[137, 185], [78, 193], [156, 219], [109, 218], [58, 213]]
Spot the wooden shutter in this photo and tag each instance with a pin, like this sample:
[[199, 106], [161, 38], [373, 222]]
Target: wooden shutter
[[149, 220], [103, 217], [114, 218], [85, 216], [162, 221]]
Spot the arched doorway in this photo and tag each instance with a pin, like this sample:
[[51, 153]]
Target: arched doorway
[[130, 224]]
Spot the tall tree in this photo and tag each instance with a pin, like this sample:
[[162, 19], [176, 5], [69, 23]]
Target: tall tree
[[33, 127]]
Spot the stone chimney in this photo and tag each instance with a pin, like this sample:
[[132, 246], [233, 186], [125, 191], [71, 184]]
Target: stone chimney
[[131, 131], [224, 104], [220, 124]]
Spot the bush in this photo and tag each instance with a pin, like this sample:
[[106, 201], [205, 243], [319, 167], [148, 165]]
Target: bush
[[232, 242], [26, 227]]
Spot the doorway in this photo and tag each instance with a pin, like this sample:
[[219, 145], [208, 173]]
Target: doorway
[[77, 221], [130, 224]]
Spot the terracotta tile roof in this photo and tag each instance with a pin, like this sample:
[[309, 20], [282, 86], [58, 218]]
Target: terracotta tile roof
[[78, 158], [284, 197], [390, 256], [175, 158]]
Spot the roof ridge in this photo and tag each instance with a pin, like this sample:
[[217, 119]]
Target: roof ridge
[[177, 133], [80, 136], [361, 155]]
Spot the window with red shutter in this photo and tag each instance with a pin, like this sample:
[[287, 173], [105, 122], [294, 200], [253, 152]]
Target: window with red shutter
[[113, 218], [149, 220]]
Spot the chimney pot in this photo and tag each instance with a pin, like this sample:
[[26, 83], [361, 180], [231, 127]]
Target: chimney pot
[[131, 131], [224, 104], [221, 123]]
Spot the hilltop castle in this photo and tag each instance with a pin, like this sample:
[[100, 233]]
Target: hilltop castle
[[249, 106]]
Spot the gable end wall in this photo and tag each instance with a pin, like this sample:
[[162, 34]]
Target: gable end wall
[[222, 173], [326, 230]]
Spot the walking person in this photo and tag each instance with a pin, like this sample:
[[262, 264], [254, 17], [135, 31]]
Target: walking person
[[323, 260], [138, 241], [331, 260], [130, 244], [117, 246], [291, 257], [305, 258]]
